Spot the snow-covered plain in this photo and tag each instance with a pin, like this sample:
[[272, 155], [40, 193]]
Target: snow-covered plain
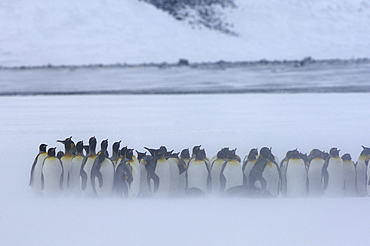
[[283, 121]]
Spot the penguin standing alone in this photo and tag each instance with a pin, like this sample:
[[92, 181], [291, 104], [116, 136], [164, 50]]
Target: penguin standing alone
[[36, 170], [333, 174], [52, 174]]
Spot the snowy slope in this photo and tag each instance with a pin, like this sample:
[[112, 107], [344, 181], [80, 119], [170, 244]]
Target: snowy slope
[[37, 32]]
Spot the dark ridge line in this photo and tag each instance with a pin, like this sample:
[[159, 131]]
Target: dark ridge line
[[186, 63], [344, 89]]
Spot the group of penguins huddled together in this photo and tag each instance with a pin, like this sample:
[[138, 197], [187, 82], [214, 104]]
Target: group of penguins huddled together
[[82, 171]]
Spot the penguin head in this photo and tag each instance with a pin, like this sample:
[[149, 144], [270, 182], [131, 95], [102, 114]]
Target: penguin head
[[334, 152], [104, 145], [288, 154], [316, 153], [80, 147], [115, 146], [201, 155], [265, 152], [160, 153], [196, 150], [42, 148], [140, 155], [231, 155], [60, 154], [51, 151], [92, 143], [222, 154], [185, 154], [365, 151], [122, 152], [295, 154], [253, 153], [129, 153], [346, 157]]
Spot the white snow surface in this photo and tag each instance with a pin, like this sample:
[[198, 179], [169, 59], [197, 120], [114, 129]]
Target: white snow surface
[[245, 121], [38, 32]]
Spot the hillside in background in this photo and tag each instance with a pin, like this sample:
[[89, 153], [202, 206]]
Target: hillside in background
[[39, 32]]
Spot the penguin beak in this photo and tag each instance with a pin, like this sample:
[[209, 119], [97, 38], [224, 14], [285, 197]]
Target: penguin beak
[[61, 141]]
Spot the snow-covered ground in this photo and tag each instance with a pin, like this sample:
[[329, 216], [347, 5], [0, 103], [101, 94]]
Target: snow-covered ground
[[37, 32], [282, 121]]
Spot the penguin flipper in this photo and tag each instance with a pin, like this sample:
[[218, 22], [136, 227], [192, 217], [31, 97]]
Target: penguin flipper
[[42, 181], [181, 166], [83, 175], [222, 177], [32, 170], [100, 179]]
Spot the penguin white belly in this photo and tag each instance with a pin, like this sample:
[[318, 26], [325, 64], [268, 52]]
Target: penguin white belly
[[197, 175], [349, 175], [215, 175], [52, 171], [335, 187], [271, 175], [88, 191], [162, 170], [361, 176], [283, 177], [36, 174], [315, 184], [66, 163], [248, 169], [233, 174], [296, 178], [134, 188], [174, 176], [107, 173], [74, 183]]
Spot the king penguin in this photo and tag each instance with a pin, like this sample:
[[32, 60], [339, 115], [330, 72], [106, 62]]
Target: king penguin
[[333, 174], [102, 173], [248, 164], [198, 175], [85, 172], [74, 183], [159, 174], [283, 165], [258, 173], [134, 188], [362, 172], [144, 161], [315, 164], [66, 159], [175, 169], [123, 174], [216, 165], [35, 177], [231, 174], [349, 174], [52, 174], [296, 176]]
